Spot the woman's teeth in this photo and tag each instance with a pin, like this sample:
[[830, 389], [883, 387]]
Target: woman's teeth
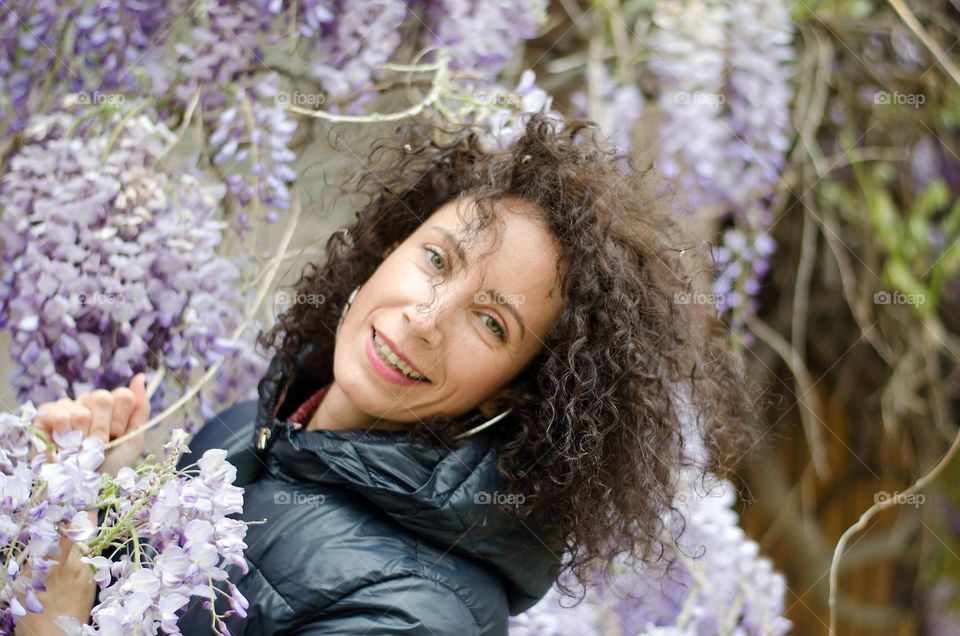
[[391, 358]]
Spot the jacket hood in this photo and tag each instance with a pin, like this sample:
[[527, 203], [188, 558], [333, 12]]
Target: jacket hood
[[441, 495]]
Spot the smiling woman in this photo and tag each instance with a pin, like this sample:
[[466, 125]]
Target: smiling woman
[[427, 307], [541, 282]]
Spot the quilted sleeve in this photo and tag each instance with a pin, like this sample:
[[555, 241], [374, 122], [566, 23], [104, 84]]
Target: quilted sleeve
[[409, 605]]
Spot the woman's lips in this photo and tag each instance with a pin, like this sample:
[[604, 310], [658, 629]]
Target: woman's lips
[[385, 370], [396, 350]]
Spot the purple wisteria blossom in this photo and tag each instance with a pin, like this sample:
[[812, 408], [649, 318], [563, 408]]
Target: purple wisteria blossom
[[350, 48], [176, 522], [222, 42], [482, 36], [718, 583], [184, 540], [256, 126], [249, 130], [35, 498], [620, 107], [52, 47], [724, 74], [110, 266], [498, 112]]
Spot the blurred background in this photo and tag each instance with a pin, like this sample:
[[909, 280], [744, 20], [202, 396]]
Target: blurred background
[[169, 167]]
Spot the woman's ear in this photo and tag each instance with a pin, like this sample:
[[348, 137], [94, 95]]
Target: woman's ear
[[488, 408]]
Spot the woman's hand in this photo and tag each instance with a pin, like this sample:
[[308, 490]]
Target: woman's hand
[[70, 588], [70, 592], [106, 414]]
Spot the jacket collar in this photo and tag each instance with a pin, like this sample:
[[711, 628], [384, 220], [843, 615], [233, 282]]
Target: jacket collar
[[438, 494]]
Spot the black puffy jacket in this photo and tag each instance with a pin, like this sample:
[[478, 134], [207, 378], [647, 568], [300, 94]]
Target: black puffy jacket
[[365, 534]]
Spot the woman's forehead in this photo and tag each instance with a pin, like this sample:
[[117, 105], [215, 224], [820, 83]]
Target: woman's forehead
[[511, 215]]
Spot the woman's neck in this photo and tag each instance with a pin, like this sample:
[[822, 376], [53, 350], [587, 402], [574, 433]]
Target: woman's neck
[[337, 411]]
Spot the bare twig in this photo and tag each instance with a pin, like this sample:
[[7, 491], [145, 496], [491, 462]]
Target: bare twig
[[813, 95], [848, 282], [940, 56], [187, 117], [440, 80], [809, 405], [801, 290], [871, 512]]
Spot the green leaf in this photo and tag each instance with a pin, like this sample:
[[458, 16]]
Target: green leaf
[[934, 197], [883, 214], [902, 278]]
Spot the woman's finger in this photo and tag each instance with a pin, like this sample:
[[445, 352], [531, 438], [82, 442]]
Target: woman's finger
[[55, 417], [100, 403], [80, 418], [141, 408], [50, 416], [123, 402], [44, 421]]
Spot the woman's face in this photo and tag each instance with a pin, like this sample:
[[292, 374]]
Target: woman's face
[[470, 337]]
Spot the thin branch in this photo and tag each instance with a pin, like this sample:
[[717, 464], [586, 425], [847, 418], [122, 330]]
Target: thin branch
[[440, 80], [848, 283], [187, 116], [801, 290], [809, 405], [940, 56], [817, 104], [871, 512]]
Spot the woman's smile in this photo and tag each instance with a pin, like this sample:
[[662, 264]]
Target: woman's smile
[[389, 363]]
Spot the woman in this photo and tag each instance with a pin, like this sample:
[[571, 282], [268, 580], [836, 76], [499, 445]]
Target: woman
[[481, 402]]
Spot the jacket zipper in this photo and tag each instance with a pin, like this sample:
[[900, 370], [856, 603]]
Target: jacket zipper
[[264, 433]]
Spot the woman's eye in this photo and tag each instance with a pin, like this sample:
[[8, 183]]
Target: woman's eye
[[498, 331], [435, 258]]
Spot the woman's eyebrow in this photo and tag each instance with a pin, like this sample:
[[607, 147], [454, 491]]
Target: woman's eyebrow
[[454, 242], [497, 297]]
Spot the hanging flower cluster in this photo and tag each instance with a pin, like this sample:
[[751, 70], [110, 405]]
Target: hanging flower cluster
[[718, 585], [110, 263], [724, 73], [620, 107], [711, 579], [164, 536], [93, 49]]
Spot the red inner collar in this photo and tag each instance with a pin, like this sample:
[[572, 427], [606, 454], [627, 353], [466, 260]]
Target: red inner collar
[[303, 414]]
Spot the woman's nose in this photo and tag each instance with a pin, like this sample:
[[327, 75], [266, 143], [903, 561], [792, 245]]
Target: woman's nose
[[424, 319]]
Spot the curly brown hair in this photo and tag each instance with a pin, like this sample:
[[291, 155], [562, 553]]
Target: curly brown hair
[[594, 437]]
